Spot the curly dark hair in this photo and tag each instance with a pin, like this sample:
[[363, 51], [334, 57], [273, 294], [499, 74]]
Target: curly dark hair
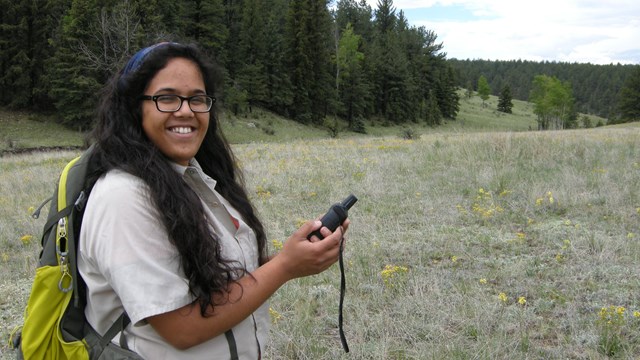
[[120, 143]]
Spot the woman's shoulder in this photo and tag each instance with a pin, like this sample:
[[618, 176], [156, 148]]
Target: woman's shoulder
[[117, 183]]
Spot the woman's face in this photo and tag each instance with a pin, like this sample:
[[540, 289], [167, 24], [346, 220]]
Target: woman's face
[[178, 134]]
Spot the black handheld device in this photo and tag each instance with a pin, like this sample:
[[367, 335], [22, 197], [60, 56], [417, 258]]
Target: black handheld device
[[336, 215]]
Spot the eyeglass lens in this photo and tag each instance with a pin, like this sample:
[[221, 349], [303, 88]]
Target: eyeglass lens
[[197, 103]]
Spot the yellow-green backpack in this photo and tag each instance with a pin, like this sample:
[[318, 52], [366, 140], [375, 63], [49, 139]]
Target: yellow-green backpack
[[55, 326]]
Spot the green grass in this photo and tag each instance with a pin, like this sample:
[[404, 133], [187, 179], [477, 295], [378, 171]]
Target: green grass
[[551, 217], [20, 130], [474, 116]]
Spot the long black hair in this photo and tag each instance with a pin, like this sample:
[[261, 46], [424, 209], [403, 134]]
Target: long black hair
[[120, 143]]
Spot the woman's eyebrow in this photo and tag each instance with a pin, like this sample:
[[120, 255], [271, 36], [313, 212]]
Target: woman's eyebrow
[[174, 91]]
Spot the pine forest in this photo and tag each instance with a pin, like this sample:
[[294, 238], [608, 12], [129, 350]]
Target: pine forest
[[307, 60]]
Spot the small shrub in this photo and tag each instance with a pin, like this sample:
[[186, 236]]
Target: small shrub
[[268, 130], [332, 126], [408, 134], [358, 126]]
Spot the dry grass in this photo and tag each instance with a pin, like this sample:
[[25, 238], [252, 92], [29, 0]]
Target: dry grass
[[549, 219]]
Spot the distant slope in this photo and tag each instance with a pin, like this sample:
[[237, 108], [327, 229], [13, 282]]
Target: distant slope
[[595, 87]]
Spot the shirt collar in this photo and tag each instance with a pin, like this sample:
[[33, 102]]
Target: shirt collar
[[193, 164], [181, 169]]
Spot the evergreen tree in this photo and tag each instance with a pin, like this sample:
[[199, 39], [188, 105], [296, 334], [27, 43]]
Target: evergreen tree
[[446, 93], [15, 62], [251, 74], [390, 66], [469, 90], [231, 58], [359, 15], [483, 89], [356, 14], [74, 83], [279, 94], [504, 102], [629, 98], [323, 96], [24, 45], [352, 88], [308, 29], [433, 116], [204, 22], [48, 20], [298, 55]]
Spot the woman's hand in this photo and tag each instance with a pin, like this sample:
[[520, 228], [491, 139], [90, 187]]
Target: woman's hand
[[185, 327], [302, 257]]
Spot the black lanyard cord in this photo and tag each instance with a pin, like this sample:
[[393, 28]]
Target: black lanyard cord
[[343, 287]]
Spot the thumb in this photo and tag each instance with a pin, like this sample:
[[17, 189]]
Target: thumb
[[307, 228]]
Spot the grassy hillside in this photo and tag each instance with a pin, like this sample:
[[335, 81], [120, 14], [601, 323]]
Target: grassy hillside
[[22, 130]]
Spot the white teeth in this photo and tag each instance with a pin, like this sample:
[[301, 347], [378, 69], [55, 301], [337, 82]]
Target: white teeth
[[181, 130]]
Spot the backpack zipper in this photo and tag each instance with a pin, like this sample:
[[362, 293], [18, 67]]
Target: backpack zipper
[[61, 250]]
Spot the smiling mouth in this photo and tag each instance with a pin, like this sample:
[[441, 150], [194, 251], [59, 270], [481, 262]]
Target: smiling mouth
[[182, 130]]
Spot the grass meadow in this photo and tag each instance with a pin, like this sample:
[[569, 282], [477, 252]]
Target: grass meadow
[[487, 245]]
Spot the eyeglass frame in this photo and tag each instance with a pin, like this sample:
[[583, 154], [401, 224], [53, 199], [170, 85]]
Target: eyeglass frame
[[154, 98]]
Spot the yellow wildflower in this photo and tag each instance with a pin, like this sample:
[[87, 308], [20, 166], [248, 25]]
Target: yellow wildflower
[[522, 300], [26, 239], [603, 313], [483, 281], [503, 297], [390, 272], [263, 192], [277, 244], [636, 314], [275, 316], [454, 258], [505, 193]]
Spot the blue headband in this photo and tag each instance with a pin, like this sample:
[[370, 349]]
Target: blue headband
[[136, 60]]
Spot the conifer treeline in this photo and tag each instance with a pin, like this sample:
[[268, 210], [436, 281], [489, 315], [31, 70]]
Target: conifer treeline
[[596, 88], [299, 58]]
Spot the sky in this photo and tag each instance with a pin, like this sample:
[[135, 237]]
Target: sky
[[582, 31]]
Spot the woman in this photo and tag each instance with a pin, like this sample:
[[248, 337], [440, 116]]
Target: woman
[[169, 234]]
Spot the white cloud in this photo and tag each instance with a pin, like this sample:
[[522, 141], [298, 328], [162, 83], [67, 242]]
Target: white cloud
[[593, 31]]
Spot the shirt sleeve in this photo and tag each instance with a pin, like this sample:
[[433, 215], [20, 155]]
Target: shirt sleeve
[[128, 244]]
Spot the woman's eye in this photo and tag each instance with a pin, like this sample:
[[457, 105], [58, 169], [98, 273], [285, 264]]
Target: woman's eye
[[167, 99]]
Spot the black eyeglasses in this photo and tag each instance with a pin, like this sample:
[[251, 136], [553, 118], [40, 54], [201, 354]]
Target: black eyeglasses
[[173, 103]]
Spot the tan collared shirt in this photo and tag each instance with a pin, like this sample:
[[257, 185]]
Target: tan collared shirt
[[128, 262]]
